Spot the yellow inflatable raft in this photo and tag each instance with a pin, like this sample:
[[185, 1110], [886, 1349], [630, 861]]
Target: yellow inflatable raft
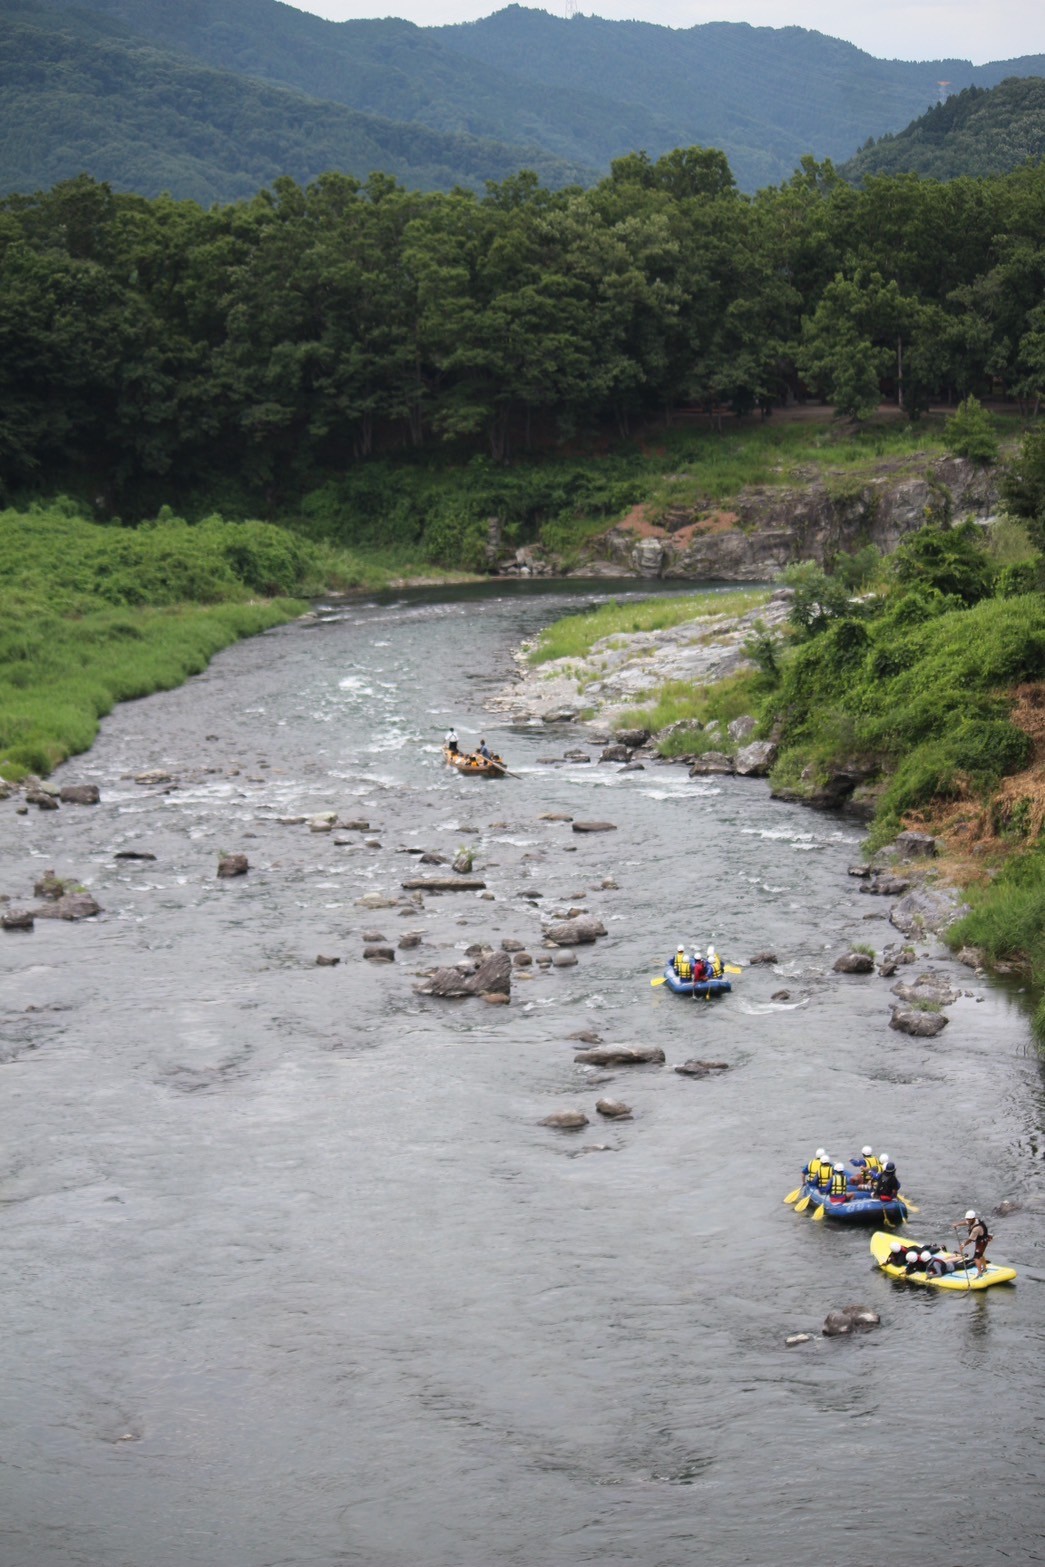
[[963, 1279]]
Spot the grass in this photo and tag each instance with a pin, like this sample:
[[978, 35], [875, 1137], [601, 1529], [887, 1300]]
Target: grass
[[680, 702], [576, 635]]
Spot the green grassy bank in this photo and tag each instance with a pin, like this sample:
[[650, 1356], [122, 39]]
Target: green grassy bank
[[93, 615]]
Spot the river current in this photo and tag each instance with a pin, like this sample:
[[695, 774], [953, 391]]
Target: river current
[[293, 1277]]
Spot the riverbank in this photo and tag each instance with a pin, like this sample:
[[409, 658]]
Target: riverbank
[[944, 734]]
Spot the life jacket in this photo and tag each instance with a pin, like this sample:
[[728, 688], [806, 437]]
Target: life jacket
[[683, 967], [873, 1163], [715, 966], [887, 1185], [700, 970], [839, 1183], [826, 1174], [813, 1170]]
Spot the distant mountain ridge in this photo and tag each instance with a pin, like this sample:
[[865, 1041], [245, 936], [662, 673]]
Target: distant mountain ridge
[[977, 131], [278, 90]]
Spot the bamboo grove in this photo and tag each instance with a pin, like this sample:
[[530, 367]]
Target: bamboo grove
[[149, 346]]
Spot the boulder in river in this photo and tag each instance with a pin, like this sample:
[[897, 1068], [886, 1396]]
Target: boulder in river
[[493, 975], [696, 1068], [613, 1109], [853, 963], [922, 1025], [762, 957], [595, 826], [853, 1318], [711, 762], [621, 1055], [17, 919], [443, 884], [70, 906], [79, 794], [577, 932], [566, 1121], [233, 865]]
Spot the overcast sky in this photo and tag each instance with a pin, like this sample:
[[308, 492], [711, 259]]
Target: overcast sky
[[977, 30]]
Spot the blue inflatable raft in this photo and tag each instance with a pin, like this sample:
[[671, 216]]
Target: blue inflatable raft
[[856, 1207], [700, 987]]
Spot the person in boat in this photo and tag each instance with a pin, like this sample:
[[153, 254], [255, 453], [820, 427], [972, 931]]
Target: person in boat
[[827, 1170], [938, 1262], [866, 1165], [839, 1182], [714, 963], [813, 1168], [886, 1183], [700, 968], [451, 741], [681, 964], [913, 1262], [979, 1237], [484, 750]]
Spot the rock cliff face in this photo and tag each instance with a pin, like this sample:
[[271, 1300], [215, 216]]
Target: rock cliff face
[[771, 527]]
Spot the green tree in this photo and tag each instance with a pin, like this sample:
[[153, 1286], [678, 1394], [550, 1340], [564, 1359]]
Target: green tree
[[970, 433]]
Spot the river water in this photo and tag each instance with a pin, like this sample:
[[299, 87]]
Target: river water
[[293, 1276]]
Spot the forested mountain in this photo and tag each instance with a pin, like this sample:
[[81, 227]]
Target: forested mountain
[[148, 120], [584, 91], [977, 131]]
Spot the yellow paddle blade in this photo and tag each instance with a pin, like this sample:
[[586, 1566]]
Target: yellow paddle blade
[[802, 1204], [660, 981], [819, 1214], [793, 1196], [731, 968], [910, 1206]]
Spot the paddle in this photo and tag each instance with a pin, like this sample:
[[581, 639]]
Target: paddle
[[731, 968], [660, 980], [819, 1214], [803, 1203], [793, 1196]]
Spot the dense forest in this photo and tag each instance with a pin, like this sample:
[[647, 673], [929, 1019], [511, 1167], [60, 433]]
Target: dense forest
[[976, 131], [151, 351], [212, 100]]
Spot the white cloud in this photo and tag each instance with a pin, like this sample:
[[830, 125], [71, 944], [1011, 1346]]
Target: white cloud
[[977, 30]]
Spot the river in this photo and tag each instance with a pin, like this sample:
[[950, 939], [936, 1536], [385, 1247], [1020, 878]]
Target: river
[[293, 1276]]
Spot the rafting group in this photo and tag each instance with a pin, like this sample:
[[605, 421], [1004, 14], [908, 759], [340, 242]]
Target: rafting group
[[866, 1189]]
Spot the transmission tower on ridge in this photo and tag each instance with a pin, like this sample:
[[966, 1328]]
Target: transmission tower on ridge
[[569, 9]]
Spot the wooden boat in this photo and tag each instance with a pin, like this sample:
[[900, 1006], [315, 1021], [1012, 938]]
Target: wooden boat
[[471, 765], [964, 1278], [700, 987]]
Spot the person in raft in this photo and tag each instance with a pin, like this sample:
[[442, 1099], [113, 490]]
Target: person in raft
[[886, 1184], [839, 1182], [866, 1164], [484, 750], [681, 964], [714, 964], [979, 1237], [451, 741], [701, 971]]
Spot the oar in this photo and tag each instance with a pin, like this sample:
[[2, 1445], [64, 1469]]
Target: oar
[[660, 980], [803, 1203], [731, 968], [819, 1214], [793, 1196]]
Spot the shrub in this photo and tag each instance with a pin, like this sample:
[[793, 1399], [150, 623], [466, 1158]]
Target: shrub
[[970, 433]]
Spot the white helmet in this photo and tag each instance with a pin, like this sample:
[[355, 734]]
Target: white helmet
[[924, 1256], [884, 1158], [896, 1246], [839, 1166], [867, 1152], [911, 1256], [680, 948], [711, 952], [971, 1213], [821, 1153]]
